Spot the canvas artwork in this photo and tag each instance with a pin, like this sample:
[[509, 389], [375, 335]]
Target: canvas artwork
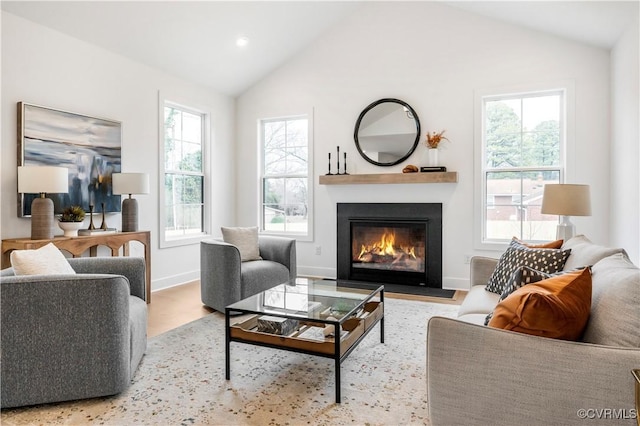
[[89, 147]]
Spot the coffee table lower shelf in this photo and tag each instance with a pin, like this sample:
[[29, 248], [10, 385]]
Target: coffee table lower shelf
[[355, 328]]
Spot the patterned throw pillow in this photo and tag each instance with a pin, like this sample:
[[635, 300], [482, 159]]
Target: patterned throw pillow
[[516, 255]]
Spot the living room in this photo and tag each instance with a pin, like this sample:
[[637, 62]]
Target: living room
[[432, 55]]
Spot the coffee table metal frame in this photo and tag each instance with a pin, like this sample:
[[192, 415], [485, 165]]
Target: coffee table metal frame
[[234, 309]]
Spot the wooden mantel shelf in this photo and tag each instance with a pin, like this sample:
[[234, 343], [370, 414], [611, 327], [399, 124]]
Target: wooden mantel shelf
[[389, 178]]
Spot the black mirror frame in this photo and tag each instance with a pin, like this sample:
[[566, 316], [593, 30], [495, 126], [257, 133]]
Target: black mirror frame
[[371, 106]]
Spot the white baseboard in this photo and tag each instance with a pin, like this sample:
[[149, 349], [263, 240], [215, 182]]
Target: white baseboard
[[174, 280], [449, 283], [314, 271]]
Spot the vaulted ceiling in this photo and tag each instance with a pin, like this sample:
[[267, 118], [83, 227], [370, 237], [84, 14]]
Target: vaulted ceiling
[[197, 40]]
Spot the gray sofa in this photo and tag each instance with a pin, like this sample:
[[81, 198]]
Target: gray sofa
[[482, 375], [224, 279], [67, 337]]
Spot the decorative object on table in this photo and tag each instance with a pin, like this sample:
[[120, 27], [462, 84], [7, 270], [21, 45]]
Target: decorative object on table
[[87, 232], [338, 161], [276, 325], [410, 169], [431, 169], [42, 180], [387, 132], [71, 220], [566, 200], [329, 173], [91, 225], [130, 183], [103, 226], [88, 147], [432, 142]]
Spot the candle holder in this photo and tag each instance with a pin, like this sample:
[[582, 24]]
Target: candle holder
[[345, 164], [104, 222], [91, 225], [328, 174]]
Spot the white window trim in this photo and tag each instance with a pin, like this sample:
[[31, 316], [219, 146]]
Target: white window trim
[[567, 154], [310, 176], [188, 105]]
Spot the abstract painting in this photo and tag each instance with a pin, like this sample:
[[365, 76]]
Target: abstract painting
[[89, 147]]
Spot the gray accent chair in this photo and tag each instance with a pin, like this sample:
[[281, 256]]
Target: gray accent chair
[[68, 337], [224, 279]]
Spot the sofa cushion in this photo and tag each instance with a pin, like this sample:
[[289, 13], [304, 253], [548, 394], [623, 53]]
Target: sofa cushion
[[557, 307], [47, 260], [516, 255], [585, 253], [478, 301], [615, 310], [245, 239]]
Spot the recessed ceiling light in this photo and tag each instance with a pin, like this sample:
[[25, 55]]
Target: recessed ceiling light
[[242, 41]]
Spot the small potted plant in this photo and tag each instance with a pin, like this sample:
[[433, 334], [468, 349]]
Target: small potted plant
[[71, 220]]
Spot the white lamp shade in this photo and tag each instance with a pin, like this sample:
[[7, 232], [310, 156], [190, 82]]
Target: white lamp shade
[[566, 200], [47, 179], [130, 183]]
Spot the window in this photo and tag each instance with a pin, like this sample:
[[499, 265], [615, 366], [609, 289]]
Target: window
[[523, 140], [183, 173], [286, 192]]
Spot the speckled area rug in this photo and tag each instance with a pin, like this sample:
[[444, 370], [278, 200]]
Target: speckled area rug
[[181, 381]]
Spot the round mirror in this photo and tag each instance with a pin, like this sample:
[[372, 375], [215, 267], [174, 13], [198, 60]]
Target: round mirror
[[387, 132]]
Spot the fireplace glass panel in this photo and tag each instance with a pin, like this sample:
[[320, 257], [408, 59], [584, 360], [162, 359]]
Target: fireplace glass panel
[[388, 246]]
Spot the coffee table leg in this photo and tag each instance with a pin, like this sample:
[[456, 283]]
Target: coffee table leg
[[227, 343], [337, 362], [382, 319]]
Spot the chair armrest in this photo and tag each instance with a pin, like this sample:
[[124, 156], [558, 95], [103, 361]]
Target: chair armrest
[[133, 268], [220, 274], [281, 250], [51, 326], [481, 269], [482, 375]]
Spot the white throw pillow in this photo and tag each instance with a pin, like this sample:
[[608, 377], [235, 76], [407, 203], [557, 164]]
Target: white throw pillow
[[47, 260], [245, 239]]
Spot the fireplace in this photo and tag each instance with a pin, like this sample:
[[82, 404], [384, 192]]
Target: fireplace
[[398, 243]]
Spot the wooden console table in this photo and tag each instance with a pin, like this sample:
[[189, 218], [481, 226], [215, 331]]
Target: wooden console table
[[76, 246]]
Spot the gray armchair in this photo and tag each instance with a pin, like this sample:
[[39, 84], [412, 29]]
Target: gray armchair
[[224, 279], [67, 337]]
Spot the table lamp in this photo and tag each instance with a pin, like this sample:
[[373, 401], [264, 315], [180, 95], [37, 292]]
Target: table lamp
[[566, 200], [42, 180], [130, 183]]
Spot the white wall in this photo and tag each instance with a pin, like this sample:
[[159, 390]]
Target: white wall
[[44, 67], [625, 144], [434, 57]]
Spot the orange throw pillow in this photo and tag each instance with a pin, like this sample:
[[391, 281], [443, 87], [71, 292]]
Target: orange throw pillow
[[557, 307], [550, 245]]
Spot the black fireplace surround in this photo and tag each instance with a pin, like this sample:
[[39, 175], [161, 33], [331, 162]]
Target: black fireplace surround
[[423, 221]]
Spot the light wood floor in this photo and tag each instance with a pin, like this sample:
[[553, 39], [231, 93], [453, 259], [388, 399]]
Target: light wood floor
[[175, 306]]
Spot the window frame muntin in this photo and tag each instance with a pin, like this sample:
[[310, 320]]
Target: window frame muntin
[[567, 147], [205, 113], [308, 236]]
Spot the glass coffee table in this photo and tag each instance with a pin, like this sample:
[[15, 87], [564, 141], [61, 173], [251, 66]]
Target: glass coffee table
[[303, 316]]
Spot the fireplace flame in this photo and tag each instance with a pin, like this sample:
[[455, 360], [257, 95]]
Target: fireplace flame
[[385, 247]]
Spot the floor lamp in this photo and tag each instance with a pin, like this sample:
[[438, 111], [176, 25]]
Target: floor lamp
[[130, 183], [566, 200], [42, 180]]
